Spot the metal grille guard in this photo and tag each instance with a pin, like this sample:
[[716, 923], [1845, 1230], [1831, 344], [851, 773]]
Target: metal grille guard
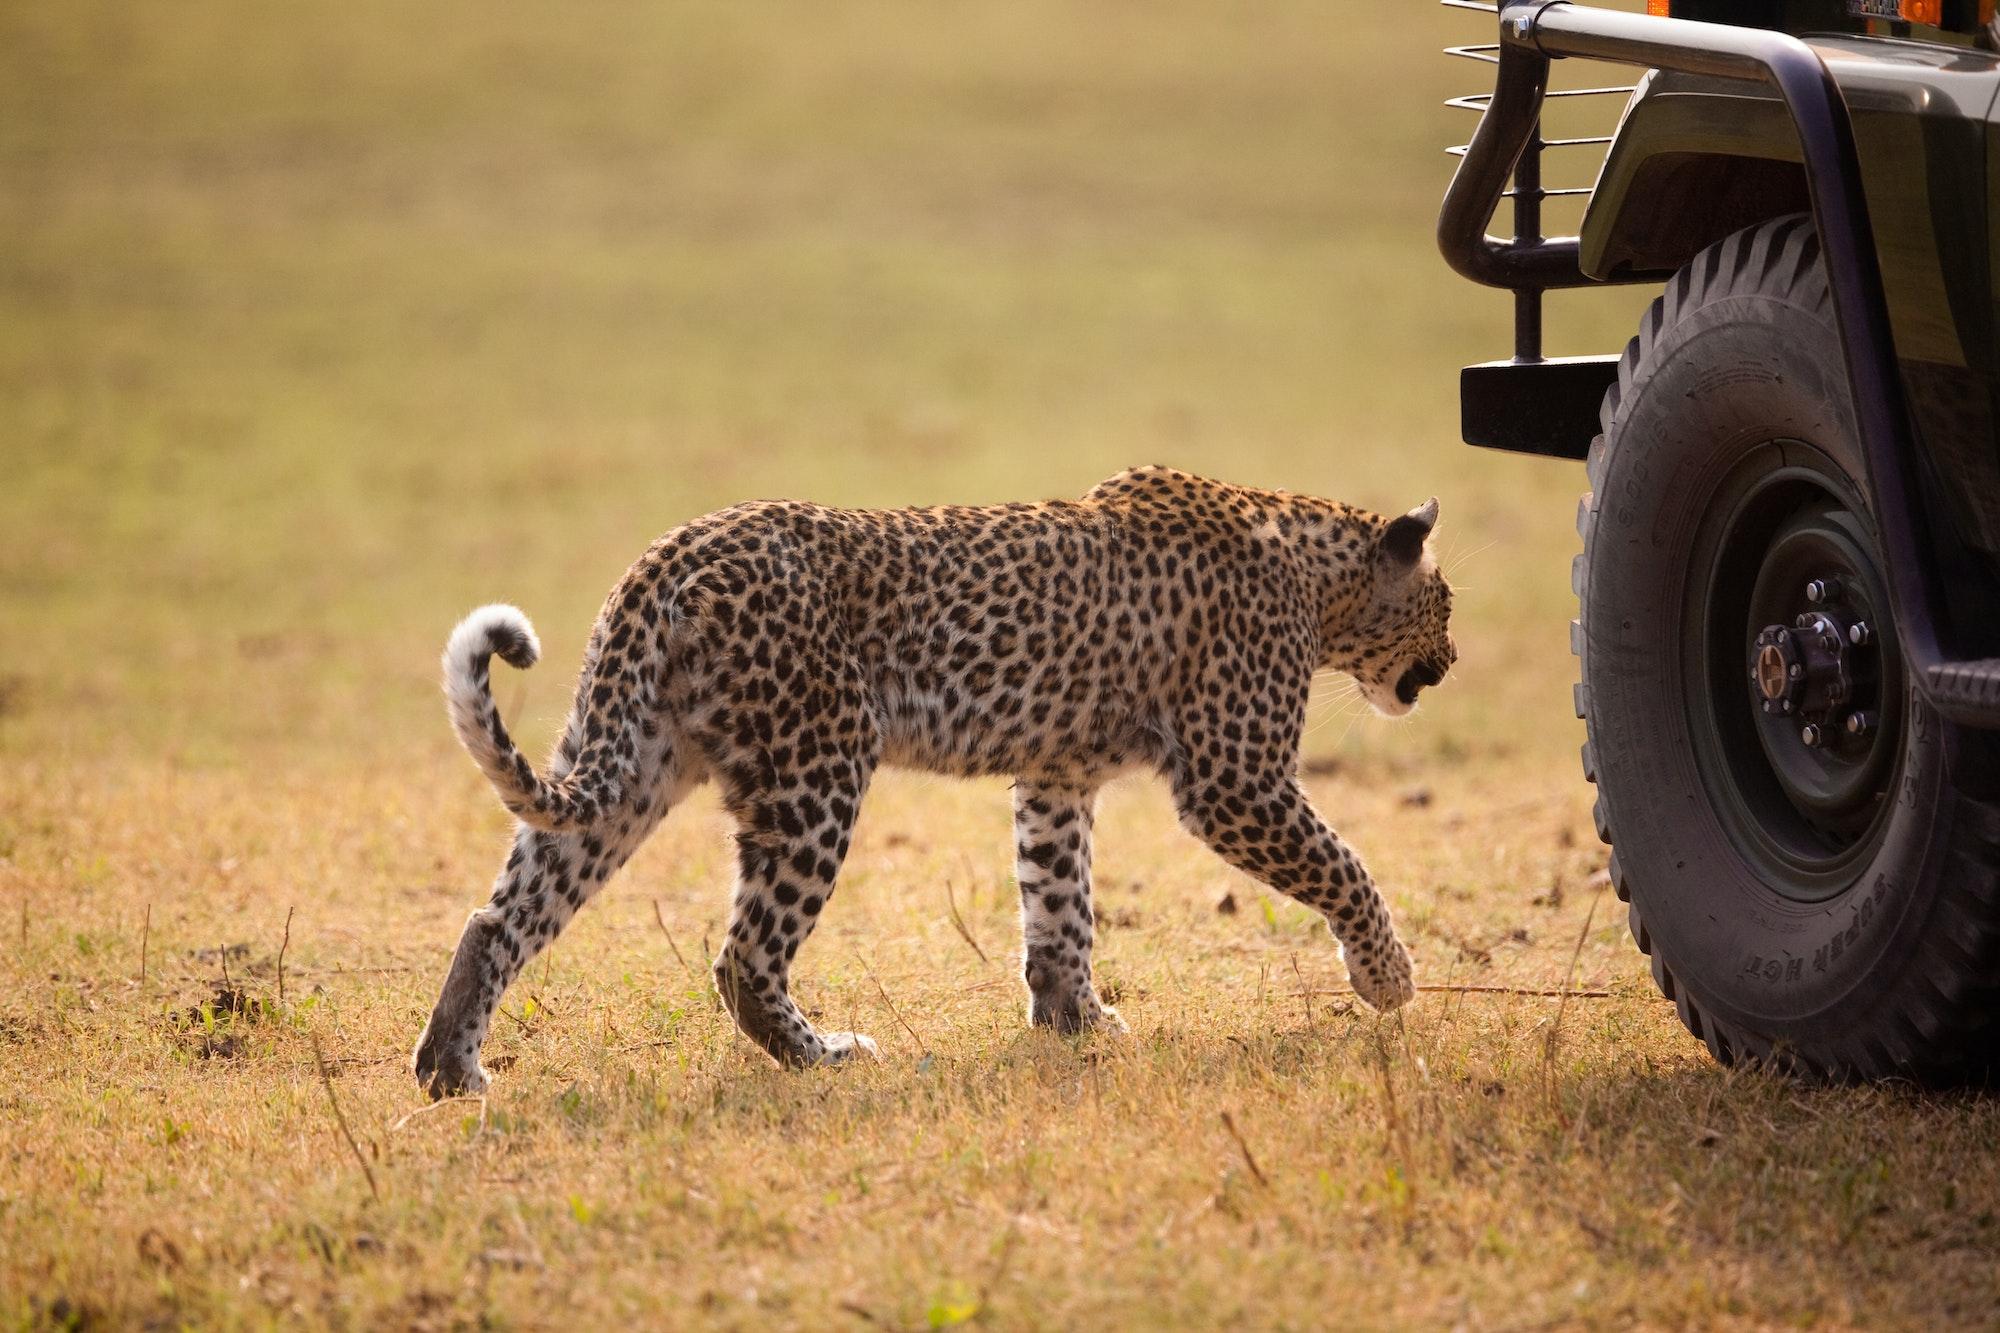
[[1534, 32]]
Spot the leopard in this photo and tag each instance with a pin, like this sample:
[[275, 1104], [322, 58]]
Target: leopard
[[1163, 623]]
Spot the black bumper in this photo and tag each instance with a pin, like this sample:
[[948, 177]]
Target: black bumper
[[1534, 407]]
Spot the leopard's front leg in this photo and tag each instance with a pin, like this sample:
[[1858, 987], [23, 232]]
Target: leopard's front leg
[[1267, 828], [1052, 826]]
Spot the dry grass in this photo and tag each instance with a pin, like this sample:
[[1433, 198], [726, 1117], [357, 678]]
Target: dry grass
[[321, 328]]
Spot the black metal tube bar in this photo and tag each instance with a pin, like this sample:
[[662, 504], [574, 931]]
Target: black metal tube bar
[[1847, 247], [1527, 194], [1534, 31], [1520, 81]]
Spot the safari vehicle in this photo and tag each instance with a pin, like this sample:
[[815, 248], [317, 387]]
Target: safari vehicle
[[1789, 589]]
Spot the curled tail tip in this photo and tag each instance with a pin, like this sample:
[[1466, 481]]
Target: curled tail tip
[[498, 630]]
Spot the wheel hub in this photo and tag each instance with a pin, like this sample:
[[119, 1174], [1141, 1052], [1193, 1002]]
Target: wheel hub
[[1813, 669], [1795, 680]]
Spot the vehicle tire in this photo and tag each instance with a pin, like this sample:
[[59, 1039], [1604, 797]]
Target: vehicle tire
[[1828, 908]]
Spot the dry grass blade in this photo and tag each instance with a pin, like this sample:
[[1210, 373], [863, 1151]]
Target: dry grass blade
[[701, 982], [1243, 1146], [283, 945], [1440, 988], [1555, 1025], [436, 1105], [1393, 1138], [951, 900], [896, 1013], [1305, 991], [326, 1081]]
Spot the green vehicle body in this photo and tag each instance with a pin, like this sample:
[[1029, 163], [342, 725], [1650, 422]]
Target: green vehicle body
[[1786, 594], [1695, 159]]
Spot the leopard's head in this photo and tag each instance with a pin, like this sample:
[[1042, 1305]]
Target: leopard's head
[[1402, 641]]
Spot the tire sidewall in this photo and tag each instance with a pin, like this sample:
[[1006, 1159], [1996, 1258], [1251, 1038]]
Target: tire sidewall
[[1717, 382]]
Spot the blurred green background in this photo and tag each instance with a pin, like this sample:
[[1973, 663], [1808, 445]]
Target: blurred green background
[[320, 324]]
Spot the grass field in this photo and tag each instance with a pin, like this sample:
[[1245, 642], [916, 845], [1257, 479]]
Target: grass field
[[320, 324]]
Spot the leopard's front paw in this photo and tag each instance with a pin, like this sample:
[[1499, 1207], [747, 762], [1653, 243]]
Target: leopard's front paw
[[842, 1047], [1383, 978], [1071, 1012], [443, 1072]]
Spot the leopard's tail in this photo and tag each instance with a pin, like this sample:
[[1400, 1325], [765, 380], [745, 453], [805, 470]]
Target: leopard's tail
[[575, 801]]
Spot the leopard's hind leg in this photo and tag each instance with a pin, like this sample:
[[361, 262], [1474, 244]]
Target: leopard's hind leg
[[794, 797], [546, 878]]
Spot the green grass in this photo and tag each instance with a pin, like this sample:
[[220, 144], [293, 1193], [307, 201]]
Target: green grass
[[320, 325]]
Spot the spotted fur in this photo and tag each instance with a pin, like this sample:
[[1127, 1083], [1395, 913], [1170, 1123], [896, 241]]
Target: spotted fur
[[1163, 622]]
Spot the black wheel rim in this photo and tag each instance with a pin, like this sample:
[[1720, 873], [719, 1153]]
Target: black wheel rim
[[1806, 817]]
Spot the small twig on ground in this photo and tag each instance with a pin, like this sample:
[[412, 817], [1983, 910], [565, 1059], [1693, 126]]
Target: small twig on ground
[[1305, 991], [951, 899], [283, 945], [894, 1012], [1393, 1140], [222, 957], [1437, 1023], [1243, 1146], [1555, 1026], [145, 939], [658, 916], [326, 1081], [1549, 992], [426, 1110]]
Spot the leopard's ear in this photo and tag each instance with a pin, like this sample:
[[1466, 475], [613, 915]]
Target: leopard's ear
[[1403, 540]]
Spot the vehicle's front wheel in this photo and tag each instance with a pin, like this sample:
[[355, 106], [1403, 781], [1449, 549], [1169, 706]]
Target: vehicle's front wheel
[[1811, 855]]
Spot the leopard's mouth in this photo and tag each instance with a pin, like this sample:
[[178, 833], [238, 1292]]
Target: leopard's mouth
[[1416, 678]]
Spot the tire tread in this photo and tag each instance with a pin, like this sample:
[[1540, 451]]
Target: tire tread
[[1941, 1020]]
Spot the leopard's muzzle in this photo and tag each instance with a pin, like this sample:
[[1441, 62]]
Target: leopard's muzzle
[[1416, 678]]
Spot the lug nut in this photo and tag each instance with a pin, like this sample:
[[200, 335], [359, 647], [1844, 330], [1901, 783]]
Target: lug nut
[[1796, 671], [1820, 591], [1809, 733], [1860, 723], [1859, 634]]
